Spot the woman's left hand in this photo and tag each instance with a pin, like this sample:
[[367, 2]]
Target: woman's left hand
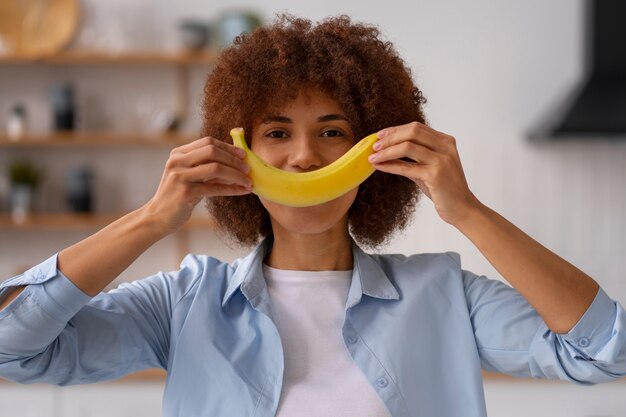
[[429, 158]]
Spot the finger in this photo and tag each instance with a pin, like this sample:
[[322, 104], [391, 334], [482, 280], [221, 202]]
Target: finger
[[198, 143], [206, 141], [213, 153], [407, 149], [218, 173], [228, 147], [414, 131], [410, 170]]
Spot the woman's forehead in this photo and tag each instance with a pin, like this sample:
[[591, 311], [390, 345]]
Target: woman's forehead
[[282, 104]]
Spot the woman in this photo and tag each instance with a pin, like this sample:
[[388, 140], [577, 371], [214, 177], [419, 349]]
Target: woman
[[308, 324]]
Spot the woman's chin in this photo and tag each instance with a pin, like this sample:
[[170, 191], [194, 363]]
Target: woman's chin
[[313, 219]]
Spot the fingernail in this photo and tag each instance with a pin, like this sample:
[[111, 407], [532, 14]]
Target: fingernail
[[241, 153], [377, 146], [245, 168], [381, 134], [372, 158]]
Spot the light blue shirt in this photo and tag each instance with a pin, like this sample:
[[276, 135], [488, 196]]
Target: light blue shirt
[[419, 327]]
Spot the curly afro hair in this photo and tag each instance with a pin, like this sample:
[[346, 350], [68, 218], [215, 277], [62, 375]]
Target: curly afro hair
[[346, 60]]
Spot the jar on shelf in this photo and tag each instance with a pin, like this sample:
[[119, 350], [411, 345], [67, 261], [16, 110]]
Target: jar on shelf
[[16, 122], [78, 183]]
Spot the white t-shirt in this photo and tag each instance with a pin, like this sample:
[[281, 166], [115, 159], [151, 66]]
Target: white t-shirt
[[320, 377]]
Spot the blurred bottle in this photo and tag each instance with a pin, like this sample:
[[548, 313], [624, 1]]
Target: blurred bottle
[[63, 107], [78, 183], [16, 122]]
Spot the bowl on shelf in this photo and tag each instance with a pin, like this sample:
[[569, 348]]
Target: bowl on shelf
[[194, 34], [233, 23], [36, 29]]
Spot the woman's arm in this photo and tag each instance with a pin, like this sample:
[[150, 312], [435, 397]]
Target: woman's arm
[[113, 249], [55, 332], [559, 291], [205, 167]]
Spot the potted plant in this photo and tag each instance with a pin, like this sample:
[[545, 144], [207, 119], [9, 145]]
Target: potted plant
[[24, 178]]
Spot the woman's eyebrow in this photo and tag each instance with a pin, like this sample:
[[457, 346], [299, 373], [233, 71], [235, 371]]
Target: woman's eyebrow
[[283, 119], [279, 119], [330, 117]]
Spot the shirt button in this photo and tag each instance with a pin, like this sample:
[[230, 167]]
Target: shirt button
[[583, 342], [352, 339], [382, 382]]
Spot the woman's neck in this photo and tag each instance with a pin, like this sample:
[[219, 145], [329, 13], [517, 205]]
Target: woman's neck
[[327, 251]]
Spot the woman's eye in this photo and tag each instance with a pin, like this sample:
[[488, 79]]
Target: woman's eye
[[332, 133], [276, 134]]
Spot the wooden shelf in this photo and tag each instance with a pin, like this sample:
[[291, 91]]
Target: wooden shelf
[[159, 375], [77, 57], [148, 375], [80, 222], [97, 139]]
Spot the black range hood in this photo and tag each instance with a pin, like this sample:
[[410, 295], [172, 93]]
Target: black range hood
[[597, 109]]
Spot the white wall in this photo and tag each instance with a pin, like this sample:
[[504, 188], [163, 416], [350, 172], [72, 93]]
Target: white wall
[[554, 399], [490, 71], [127, 399]]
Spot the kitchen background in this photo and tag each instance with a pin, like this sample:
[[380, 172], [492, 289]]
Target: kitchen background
[[492, 73]]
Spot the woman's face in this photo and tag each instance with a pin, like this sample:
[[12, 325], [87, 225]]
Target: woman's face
[[305, 135]]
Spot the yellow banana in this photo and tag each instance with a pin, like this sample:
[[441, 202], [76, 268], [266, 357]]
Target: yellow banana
[[303, 189]]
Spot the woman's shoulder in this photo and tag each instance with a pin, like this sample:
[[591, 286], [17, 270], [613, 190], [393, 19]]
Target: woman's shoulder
[[443, 269], [430, 261], [195, 271], [419, 271], [198, 267]]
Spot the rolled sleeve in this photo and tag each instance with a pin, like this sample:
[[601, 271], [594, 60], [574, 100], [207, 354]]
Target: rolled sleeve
[[53, 291], [513, 339], [36, 317], [593, 351], [593, 331], [55, 333]]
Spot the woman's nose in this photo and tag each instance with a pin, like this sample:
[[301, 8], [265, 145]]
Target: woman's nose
[[304, 156]]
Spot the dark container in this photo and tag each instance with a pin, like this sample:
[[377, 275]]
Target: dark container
[[63, 107], [79, 189]]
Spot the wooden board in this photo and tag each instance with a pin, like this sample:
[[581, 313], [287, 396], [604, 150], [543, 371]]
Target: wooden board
[[37, 28]]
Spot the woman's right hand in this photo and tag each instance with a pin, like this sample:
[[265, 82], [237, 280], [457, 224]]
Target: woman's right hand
[[206, 167]]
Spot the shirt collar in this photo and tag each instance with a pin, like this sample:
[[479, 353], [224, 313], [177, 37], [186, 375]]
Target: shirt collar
[[367, 276]]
